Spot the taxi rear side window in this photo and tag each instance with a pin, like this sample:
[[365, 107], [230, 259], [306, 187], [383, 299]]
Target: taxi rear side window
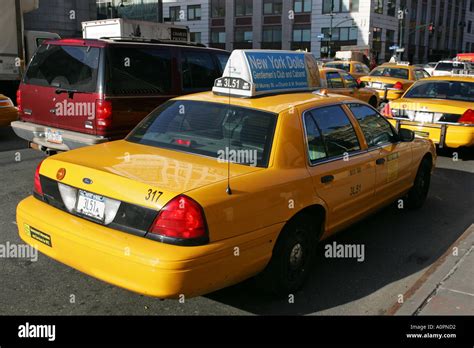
[[222, 131], [329, 133]]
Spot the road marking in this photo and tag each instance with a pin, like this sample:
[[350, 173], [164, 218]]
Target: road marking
[[458, 291]]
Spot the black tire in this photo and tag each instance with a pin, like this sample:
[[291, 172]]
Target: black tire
[[418, 193], [291, 261]]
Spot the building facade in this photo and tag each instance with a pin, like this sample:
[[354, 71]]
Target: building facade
[[63, 17], [429, 30]]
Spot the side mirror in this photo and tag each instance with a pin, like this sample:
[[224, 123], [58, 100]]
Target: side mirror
[[360, 84], [406, 135]]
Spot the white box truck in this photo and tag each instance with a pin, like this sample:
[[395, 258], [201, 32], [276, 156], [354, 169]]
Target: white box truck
[[126, 28], [17, 46]]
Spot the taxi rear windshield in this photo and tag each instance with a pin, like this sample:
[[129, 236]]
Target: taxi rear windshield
[[398, 73], [452, 90], [225, 132], [68, 67]]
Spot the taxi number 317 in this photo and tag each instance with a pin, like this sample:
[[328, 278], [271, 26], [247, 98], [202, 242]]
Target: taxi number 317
[[153, 195]]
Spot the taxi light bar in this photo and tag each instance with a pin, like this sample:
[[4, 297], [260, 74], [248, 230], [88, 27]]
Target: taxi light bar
[[180, 218], [249, 73], [38, 189], [467, 117]]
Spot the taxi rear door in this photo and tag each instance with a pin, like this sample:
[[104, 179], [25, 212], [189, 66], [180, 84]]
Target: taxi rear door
[[343, 173], [392, 158]]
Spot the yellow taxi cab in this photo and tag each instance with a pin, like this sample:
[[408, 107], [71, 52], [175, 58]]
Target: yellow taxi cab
[[8, 112], [217, 187], [340, 82], [355, 68], [391, 80], [440, 108]]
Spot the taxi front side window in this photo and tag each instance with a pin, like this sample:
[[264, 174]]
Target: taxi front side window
[[377, 130], [334, 80], [350, 81], [329, 133]]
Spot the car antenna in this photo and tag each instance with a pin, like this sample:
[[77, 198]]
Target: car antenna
[[228, 189]]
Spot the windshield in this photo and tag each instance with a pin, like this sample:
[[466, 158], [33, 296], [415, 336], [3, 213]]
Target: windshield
[[69, 67], [452, 90], [225, 132], [399, 73], [342, 66], [449, 66]]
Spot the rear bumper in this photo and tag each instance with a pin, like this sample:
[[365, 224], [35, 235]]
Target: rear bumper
[[452, 136], [35, 133], [142, 265]]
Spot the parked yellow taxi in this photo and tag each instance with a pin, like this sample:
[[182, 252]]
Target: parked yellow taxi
[[355, 68], [214, 188], [440, 108], [8, 112], [340, 82], [391, 80]]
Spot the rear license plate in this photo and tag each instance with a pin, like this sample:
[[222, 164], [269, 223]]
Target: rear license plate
[[377, 85], [423, 117], [54, 136], [90, 204]]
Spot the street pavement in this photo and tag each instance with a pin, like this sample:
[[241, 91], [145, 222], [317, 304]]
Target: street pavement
[[400, 248]]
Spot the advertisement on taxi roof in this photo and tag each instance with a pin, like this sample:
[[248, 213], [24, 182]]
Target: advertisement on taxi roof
[[286, 70]]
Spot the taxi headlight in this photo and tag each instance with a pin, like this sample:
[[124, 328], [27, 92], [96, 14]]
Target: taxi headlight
[[69, 196]]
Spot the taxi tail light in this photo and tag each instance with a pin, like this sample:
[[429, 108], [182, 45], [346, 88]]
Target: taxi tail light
[[387, 110], [103, 113], [180, 218], [398, 85], [467, 117], [38, 189], [19, 102]]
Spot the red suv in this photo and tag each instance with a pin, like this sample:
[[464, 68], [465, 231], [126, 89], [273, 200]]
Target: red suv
[[79, 92]]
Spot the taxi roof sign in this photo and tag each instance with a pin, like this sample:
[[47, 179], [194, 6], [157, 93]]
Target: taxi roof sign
[[249, 73]]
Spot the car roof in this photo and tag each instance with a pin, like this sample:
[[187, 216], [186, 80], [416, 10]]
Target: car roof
[[275, 103], [395, 65], [449, 78], [324, 69]]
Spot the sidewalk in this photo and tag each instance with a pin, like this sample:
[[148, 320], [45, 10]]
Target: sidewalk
[[447, 287]]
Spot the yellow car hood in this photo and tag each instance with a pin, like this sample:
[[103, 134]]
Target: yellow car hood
[[126, 171]]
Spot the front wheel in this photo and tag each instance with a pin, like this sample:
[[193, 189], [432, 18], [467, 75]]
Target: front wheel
[[418, 193], [290, 264]]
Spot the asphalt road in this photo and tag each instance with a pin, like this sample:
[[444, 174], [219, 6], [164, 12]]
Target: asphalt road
[[399, 246]]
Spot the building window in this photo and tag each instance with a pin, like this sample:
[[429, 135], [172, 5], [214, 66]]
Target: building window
[[379, 6], [271, 34], [196, 37], [377, 34], [217, 8], [471, 6], [174, 13], [302, 6], [340, 34], [338, 6], [243, 8], [469, 27], [218, 36], [391, 4], [243, 35], [194, 12], [272, 7], [302, 34]]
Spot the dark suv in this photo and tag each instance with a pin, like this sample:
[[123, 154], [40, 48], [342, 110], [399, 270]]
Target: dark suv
[[79, 92]]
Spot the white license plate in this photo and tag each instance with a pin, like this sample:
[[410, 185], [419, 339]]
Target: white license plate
[[423, 117], [377, 85], [91, 205], [54, 136]]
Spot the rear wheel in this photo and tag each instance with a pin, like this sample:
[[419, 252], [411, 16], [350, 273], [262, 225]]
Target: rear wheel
[[290, 264], [418, 193]]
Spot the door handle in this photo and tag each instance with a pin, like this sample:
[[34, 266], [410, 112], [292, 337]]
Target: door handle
[[327, 178], [380, 161]]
